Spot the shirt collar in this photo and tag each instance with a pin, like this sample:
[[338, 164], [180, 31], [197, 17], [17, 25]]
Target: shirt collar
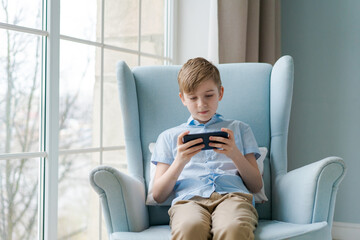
[[215, 119]]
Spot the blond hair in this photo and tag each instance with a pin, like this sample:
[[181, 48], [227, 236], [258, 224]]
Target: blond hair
[[194, 72]]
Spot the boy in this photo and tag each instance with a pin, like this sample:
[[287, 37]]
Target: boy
[[212, 187]]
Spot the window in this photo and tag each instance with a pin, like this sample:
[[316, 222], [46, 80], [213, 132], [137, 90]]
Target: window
[[59, 109]]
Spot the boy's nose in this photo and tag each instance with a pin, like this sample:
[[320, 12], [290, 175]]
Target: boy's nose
[[202, 102]]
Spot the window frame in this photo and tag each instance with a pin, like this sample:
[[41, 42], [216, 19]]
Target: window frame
[[49, 151]]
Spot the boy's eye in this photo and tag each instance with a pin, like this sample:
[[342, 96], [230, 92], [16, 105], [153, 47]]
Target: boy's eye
[[209, 96], [193, 98]]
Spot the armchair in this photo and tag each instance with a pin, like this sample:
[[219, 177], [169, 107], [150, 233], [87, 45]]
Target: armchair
[[301, 202]]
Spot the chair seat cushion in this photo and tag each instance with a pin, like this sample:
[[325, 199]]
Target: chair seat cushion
[[161, 232], [265, 230]]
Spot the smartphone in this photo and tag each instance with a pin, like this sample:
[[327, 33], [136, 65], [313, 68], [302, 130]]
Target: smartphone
[[205, 137]]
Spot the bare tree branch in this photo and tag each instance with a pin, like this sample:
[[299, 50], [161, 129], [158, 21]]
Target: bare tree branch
[[27, 203]]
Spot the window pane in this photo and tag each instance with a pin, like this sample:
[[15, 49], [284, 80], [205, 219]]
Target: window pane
[[78, 209], [112, 127], [22, 13], [20, 79], [19, 198], [77, 90], [116, 159], [122, 23], [80, 19], [111, 58], [147, 61], [152, 27]]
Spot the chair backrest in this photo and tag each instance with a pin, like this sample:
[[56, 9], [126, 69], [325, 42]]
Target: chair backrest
[[150, 104]]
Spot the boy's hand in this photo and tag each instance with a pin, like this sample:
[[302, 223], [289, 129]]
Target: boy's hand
[[185, 151], [227, 145]]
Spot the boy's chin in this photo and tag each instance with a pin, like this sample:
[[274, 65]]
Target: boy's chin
[[203, 120]]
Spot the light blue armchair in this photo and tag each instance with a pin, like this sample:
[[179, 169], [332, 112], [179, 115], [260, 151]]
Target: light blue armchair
[[301, 202]]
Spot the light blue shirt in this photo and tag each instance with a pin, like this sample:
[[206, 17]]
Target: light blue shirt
[[207, 171]]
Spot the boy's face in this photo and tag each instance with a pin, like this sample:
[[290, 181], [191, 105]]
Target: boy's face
[[203, 102]]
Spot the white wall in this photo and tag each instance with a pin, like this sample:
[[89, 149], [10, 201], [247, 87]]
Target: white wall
[[191, 29], [323, 37]]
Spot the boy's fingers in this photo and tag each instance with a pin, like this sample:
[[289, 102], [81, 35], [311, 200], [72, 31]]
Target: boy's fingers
[[195, 149], [193, 142], [220, 139], [190, 144], [222, 151], [180, 137], [228, 131], [196, 152], [218, 145]]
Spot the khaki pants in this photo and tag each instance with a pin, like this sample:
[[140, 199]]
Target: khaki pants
[[228, 216]]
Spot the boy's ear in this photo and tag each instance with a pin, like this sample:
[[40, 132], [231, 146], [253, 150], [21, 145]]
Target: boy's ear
[[221, 93], [182, 98]]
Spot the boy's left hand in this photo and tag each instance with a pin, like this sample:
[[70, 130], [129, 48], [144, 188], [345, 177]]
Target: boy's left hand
[[227, 145]]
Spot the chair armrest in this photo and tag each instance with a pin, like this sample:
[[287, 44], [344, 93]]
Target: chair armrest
[[307, 194], [122, 199]]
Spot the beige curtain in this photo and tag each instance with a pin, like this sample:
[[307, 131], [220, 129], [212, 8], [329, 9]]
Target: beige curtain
[[248, 30]]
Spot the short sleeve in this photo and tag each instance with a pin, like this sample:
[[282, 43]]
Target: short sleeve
[[249, 142], [163, 151]]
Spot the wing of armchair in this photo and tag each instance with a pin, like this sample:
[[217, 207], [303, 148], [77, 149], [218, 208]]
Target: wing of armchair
[[122, 199], [304, 201], [307, 194]]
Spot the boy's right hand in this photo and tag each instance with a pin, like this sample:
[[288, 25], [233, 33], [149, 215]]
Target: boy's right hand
[[185, 151]]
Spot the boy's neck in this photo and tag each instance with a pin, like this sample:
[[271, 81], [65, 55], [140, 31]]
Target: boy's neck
[[203, 122]]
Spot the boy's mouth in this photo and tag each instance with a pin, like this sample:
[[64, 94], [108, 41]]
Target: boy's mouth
[[204, 112]]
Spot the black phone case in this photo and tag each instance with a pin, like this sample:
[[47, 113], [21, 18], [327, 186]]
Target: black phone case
[[205, 137]]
